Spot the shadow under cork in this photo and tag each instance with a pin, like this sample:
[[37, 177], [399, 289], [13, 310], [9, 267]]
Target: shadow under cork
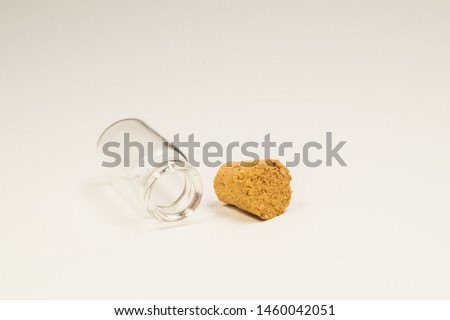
[[237, 214], [234, 213], [229, 212]]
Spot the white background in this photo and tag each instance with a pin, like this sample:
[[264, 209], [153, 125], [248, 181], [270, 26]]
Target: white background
[[375, 73]]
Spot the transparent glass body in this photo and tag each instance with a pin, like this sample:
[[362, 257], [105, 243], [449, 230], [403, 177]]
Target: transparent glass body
[[151, 173]]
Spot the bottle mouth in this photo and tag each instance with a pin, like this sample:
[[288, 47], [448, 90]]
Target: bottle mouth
[[186, 191]]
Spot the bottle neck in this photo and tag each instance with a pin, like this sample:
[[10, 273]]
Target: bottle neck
[[176, 177]]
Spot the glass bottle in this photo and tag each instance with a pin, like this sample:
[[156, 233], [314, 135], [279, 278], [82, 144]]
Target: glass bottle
[[155, 175]]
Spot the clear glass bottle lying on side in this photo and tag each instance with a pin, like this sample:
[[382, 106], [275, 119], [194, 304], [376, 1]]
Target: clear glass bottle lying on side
[[151, 173]]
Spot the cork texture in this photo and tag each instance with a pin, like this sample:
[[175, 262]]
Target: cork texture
[[261, 188]]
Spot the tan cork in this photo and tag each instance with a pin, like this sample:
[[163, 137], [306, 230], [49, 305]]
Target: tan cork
[[261, 188]]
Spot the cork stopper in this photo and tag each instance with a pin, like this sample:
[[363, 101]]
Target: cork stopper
[[258, 187]]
